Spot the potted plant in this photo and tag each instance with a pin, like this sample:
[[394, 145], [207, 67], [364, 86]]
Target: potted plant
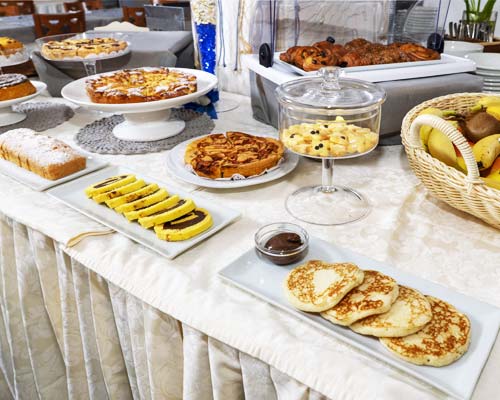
[[482, 18]]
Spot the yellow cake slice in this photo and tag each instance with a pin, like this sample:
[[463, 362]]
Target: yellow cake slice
[[120, 191], [129, 197], [153, 198], [185, 227], [146, 211], [109, 184], [181, 208]]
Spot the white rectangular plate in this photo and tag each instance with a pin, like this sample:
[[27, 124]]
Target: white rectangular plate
[[72, 194], [36, 182], [265, 280]]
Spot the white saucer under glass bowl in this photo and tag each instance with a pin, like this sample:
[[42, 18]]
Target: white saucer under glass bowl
[[329, 118], [145, 121], [8, 116], [89, 61]]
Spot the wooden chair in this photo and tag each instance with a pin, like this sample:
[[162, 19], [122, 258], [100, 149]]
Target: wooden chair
[[9, 11], [56, 24], [74, 6], [94, 4], [134, 15], [25, 7]]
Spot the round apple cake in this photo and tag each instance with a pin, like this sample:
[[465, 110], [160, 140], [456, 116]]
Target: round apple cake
[[14, 86]]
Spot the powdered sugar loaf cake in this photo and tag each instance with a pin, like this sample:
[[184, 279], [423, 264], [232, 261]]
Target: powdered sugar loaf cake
[[48, 157], [140, 85]]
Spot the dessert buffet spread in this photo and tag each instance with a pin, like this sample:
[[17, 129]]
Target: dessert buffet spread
[[48, 157], [172, 218], [234, 153], [356, 53], [13, 86], [83, 48], [140, 85]]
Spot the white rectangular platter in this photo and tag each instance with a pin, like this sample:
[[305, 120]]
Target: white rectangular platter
[[36, 182], [72, 194], [265, 280]]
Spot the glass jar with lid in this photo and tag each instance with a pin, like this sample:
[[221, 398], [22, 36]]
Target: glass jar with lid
[[328, 117]]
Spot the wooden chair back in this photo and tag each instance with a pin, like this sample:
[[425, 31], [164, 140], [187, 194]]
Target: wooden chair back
[[74, 6], [9, 11], [94, 4], [24, 7], [134, 15], [56, 24]]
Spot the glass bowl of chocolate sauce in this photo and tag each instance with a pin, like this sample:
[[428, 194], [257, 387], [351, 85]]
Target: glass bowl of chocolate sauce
[[282, 243]]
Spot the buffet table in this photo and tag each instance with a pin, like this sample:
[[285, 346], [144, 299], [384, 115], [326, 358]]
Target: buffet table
[[22, 27], [107, 318]]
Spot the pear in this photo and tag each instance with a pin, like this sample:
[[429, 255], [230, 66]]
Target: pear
[[442, 148]]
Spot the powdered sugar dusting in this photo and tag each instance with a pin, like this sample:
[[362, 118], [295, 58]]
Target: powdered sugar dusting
[[40, 149]]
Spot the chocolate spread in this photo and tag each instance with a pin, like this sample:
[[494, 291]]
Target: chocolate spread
[[283, 245]]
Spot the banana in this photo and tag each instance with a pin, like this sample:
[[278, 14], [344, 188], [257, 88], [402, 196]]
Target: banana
[[486, 151], [495, 171], [153, 198], [185, 227], [492, 183], [144, 212], [485, 102], [109, 184], [182, 207], [137, 194], [494, 111], [120, 191], [442, 148], [426, 130]]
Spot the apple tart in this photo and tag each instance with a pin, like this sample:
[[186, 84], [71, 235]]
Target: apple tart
[[234, 153], [140, 85]]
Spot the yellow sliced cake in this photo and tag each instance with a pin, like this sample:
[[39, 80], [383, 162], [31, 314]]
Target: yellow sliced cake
[[147, 211], [185, 227], [109, 184], [179, 209], [120, 191], [129, 197], [153, 198]]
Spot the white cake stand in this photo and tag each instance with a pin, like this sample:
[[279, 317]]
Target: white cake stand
[[146, 121], [8, 116]]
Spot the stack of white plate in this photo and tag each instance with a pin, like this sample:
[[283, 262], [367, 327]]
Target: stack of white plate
[[421, 20], [487, 67]]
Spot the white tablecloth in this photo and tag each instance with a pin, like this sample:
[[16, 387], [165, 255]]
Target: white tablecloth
[[406, 228]]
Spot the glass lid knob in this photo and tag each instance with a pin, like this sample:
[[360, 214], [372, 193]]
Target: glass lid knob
[[330, 77]]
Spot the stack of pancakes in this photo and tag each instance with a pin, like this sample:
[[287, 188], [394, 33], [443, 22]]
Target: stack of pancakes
[[420, 329]]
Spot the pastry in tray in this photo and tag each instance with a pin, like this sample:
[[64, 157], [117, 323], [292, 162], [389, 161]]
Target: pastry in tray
[[140, 85], [234, 153], [151, 206], [9, 47], [45, 156], [82, 48], [357, 52], [420, 329], [14, 86]]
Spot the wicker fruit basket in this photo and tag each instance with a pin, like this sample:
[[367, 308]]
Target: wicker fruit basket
[[464, 192]]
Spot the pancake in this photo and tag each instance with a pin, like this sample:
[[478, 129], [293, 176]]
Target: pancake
[[374, 296], [442, 341], [408, 314], [318, 286]]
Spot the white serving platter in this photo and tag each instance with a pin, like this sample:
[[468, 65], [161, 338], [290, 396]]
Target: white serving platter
[[72, 194], [175, 164], [76, 93], [364, 67], [36, 182], [265, 280]]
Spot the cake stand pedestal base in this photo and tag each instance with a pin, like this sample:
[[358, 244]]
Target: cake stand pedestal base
[[9, 117], [327, 205], [148, 126]]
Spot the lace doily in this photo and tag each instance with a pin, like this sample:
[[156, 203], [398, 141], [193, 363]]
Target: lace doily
[[98, 137], [40, 116]]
